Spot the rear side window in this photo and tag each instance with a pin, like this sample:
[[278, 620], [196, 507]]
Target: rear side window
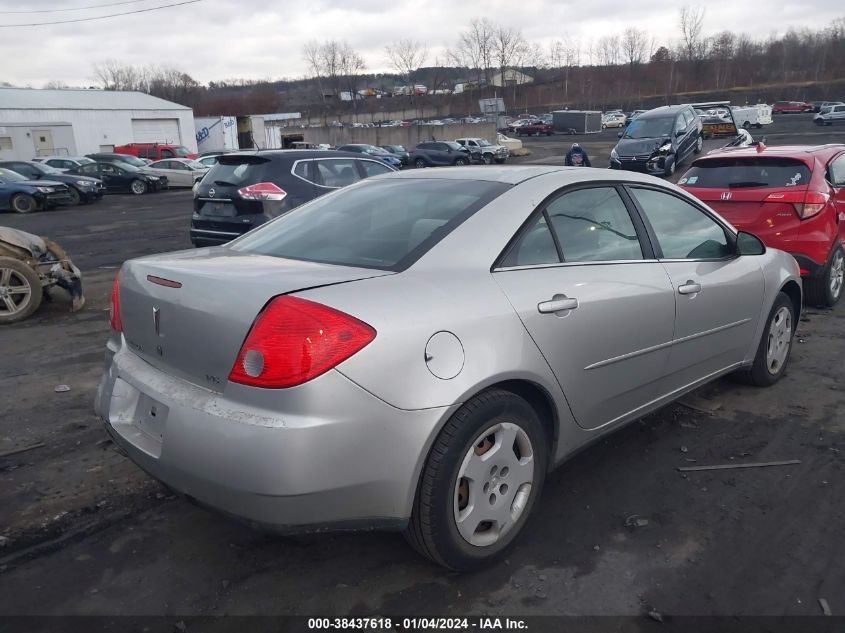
[[740, 172], [837, 171], [237, 171], [336, 172], [373, 168], [385, 224], [535, 247]]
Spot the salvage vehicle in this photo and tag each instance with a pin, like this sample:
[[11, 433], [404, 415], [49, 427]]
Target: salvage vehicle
[[179, 172], [82, 189], [122, 177], [21, 195], [418, 350], [792, 197], [29, 266], [535, 128], [485, 150], [244, 190], [659, 140], [831, 114], [440, 153], [791, 107]]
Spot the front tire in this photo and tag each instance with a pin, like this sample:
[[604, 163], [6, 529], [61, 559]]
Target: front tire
[[487, 159], [460, 162], [699, 144], [75, 196], [775, 345], [419, 163], [669, 167], [826, 289], [138, 187], [23, 203], [20, 290], [480, 482]]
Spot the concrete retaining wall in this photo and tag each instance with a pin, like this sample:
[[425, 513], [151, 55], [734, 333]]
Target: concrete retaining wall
[[407, 136]]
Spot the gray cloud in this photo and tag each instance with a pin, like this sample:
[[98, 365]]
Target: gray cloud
[[217, 39]]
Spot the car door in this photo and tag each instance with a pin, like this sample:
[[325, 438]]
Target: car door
[[113, 177], [180, 174], [718, 295], [94, 171], [600, 307]]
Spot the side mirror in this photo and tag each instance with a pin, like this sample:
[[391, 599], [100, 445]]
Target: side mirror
[[679, 133], [748, 244], [619, 135]]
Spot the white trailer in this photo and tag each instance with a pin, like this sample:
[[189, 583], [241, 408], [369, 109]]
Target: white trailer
[[216, 133], [752, 116]]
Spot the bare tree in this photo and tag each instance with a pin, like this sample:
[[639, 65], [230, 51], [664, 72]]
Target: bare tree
[[55, 84], [634, 45], [691, 20], [475, 48], [608, 49], [406, 56]]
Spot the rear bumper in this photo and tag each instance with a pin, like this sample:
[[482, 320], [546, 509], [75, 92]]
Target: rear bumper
[[812, 268], [324, 455]]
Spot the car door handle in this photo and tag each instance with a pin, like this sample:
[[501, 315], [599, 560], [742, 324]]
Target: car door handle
[[557, 305], [689, 288]]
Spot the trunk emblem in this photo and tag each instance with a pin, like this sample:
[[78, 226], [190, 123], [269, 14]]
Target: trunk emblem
[[726, 195], [211, 193], [157, 320]]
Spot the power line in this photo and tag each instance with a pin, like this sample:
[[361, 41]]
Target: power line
[[90, 6], [101, 17]]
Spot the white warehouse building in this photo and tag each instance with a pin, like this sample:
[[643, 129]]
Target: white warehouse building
[[77, 122]]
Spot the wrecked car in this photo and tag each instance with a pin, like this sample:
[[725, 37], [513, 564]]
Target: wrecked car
[[29, 265]]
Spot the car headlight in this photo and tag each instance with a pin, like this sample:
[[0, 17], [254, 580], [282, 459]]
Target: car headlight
[[613, 154], [153, 178], [84, 183], [45, 189], [665, 148]]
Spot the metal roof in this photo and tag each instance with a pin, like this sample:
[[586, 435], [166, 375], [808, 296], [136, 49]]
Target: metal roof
[[35, 99], [34, 124]]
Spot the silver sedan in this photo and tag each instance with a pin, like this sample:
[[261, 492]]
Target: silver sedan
[[180, 172], [416, 351]]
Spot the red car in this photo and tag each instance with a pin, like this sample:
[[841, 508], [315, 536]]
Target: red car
[[535, 128], [155, 151], [784, 107], [792, 197]]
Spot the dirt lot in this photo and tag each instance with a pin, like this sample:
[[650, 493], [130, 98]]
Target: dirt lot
[[86, 532]]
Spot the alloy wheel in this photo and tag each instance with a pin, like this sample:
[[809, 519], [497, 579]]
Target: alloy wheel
[[494, 484], [837, 272], [780, 338], [15, 292]]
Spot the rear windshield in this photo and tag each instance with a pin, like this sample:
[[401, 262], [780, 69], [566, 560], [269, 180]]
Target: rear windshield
[[385, 224], [237, 171], [736, 173]]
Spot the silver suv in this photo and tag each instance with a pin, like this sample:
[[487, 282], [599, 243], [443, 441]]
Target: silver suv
[[484, 151]]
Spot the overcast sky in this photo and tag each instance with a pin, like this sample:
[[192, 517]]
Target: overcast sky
[[219, 39]]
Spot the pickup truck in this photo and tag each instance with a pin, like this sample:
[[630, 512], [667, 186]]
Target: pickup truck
[[535, 128]]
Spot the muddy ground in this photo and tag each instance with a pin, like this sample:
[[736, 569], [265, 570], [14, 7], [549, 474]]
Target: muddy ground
[[86, 532]]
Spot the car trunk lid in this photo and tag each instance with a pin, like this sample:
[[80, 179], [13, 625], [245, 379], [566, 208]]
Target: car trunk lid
[[188, 313]]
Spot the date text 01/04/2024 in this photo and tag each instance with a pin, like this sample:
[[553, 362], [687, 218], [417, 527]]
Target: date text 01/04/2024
[[416, 624]]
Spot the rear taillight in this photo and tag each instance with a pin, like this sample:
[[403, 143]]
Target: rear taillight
[[806, 203], [114, 306], [294, 340], [262, 191]]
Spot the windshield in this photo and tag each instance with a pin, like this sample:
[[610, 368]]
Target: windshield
[[483, 143], [649, 128], [735, 173], [195, 164], [10, 176], [181, 151], [236, 171], [385, 224]]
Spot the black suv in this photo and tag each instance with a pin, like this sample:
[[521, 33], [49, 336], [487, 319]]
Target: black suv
[[658, 141], [244, 190]]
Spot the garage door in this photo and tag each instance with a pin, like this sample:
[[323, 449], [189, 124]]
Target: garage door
[[156, 130]]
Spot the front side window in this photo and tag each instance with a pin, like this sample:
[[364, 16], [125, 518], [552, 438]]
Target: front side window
[[593, 225], [683, 231], [373, 168]]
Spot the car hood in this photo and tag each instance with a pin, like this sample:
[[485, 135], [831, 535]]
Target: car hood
[[638, 146], [41, 183], [65, 178]]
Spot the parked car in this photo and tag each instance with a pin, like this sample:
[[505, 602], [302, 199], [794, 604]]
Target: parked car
[[659, 140], [123, 178], [485, 150], [417, 351], [81, 189], [111, 157], [818, 106], [633, 115], [244, 190], [830, 115], [509, 143], [398, 150], [791, 107], [180, 172], [535, 128], [613, 119], [439, 153], [63, 163], [155, 151], [517, 123], [29, 265], [209, 161], [792, 197], [22, 195], [375, 152]]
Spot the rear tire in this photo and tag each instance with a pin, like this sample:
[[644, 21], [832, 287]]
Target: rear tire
[[20, 290], [826, 289], [456, 472], [746, 125], [23, 203], [775, 345], [699, 144]]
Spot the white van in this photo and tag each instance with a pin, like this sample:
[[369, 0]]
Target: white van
[[752, 116]]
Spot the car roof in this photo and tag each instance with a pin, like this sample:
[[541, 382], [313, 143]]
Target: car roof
[[296, 154], [663, 111], [805, 153], [515, 174]]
